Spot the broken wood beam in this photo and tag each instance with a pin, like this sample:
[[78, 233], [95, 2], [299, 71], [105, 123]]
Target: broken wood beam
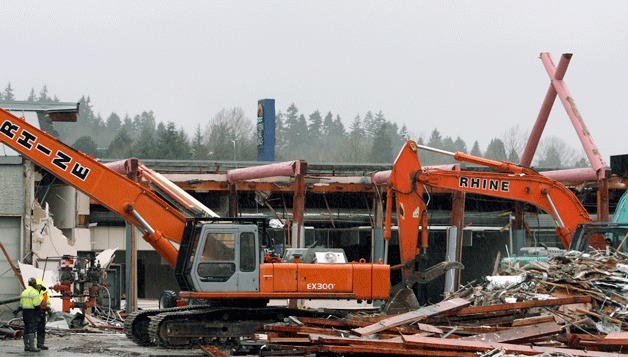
[[480, 346], [412, 316], [518, 334], [521, 305]]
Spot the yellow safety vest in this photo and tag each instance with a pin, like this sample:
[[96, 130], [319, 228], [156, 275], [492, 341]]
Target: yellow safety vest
[[30, 298], [45, 300]]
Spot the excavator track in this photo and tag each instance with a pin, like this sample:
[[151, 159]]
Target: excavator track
[[137, 323], [215, 325]]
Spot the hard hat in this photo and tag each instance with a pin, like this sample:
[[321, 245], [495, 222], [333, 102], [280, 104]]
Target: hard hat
[[41, 283]]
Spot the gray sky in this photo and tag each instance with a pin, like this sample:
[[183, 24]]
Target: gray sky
[[469, 68]]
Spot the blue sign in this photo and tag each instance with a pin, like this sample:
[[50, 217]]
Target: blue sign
[[266, 130]]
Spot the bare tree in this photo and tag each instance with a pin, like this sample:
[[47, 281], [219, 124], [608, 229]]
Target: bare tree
[[515, 140], [227, 126], [555, 152]]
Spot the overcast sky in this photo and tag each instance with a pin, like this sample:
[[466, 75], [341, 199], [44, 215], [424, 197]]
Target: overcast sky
[[469, 68]]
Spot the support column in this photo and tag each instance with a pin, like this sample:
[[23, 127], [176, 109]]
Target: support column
[[131, 269], [602, 200], [454, 241], [233, 200], [298, 206], [377, 236]]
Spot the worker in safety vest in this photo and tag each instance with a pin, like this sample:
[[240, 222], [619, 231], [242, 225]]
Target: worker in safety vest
[[44, 309], [30, 302]]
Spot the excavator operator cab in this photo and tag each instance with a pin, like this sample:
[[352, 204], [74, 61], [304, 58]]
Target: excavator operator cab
[[598, 236], [227, 258], [222, 255]]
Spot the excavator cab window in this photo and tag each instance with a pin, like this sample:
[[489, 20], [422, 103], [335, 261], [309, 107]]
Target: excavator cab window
[[248, 252], [227, 258], [217, 257]]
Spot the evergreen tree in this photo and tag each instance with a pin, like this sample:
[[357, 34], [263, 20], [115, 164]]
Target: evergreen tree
[[369, 124], [448, 144], [475, 150], [403, 133], [200, 150], [32, 97], [296, 132], [86, 145], [315, 127], [8, 93], [356, 145], [460, 145], [513, 156], [144, 146], [436, 140], [43, 95], [382, 146], [121, 145], [496, 150], [280, 137], [113, 123], [328, 124], [171, 143]]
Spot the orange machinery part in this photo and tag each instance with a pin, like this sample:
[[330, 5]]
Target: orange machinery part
[[355, 281], [519, 183], [410, 207], [117, 193]]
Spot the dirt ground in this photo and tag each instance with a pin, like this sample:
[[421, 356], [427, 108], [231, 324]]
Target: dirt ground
[[69, 344]]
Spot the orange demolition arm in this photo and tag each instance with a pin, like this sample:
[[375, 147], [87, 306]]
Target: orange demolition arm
[[518, 183], [160, 222]]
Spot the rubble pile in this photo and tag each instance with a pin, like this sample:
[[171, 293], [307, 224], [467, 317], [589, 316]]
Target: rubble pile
[[572, 305]]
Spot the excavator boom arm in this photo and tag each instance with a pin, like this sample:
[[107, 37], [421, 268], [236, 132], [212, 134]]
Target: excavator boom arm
[[518, 184], [135, 203]]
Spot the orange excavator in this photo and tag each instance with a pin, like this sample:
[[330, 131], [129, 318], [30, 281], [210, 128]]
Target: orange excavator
[[408, 178], [218, 262]]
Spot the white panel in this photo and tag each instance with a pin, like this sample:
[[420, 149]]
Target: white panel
[[62, 202], [9, 285], [82, 238], [115, 237], [31, 118], [82, 203]]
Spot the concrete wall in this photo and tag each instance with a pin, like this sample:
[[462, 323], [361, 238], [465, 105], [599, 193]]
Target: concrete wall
[[108, 237], [12, 185], [10, 228]]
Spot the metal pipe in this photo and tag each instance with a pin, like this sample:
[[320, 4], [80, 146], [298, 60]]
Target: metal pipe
[[593, 154], [559, 221], [140, 219], [439, 151]]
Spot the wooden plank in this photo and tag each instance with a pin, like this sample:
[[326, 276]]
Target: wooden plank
[[373, 350], [353, 323], [301, 340], [411, 316], [532, 320], [518, 334], [395, 342], [460, 345], [614, 339], [521, 305], [303, 330]]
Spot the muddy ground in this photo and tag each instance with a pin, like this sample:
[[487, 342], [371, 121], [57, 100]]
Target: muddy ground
[[69, 344]]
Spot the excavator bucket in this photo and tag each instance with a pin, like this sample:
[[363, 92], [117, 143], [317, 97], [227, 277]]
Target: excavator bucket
[[403, 298]]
